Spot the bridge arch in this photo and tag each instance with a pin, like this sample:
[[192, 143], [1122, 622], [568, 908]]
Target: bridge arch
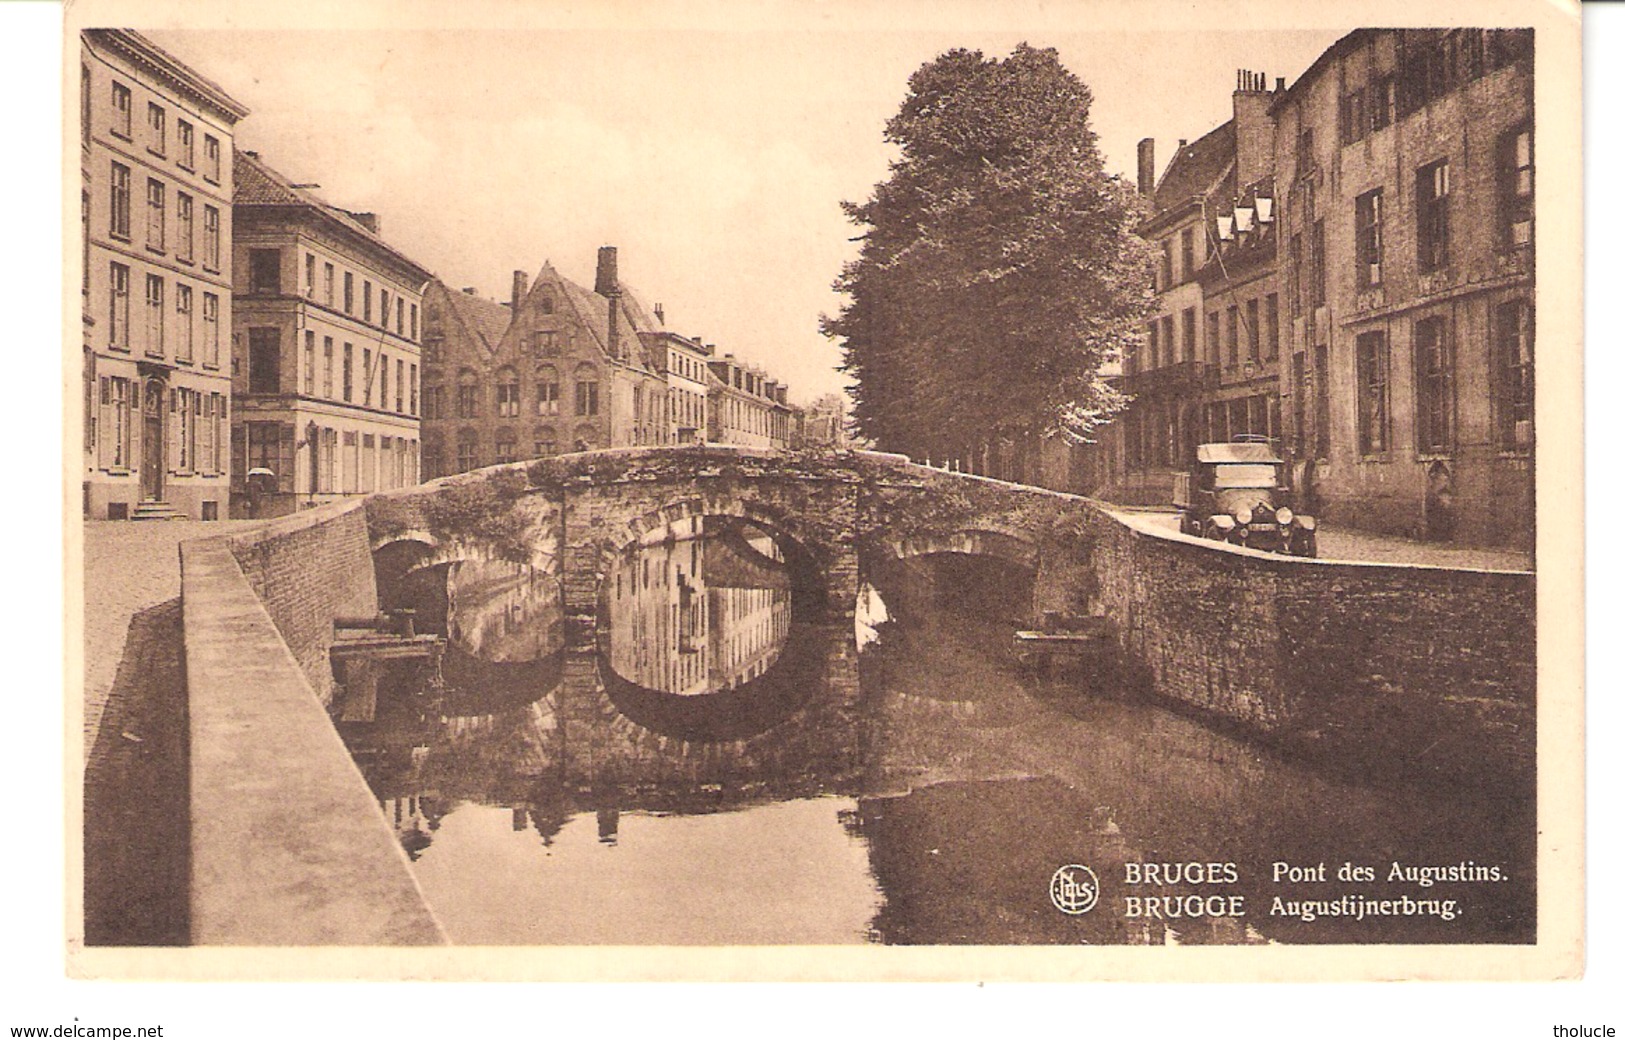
[[999, 545], [401, 554]]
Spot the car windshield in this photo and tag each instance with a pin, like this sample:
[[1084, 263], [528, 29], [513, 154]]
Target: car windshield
[[1244, 475]]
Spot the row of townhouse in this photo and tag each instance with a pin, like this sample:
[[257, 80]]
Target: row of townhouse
[[251, 349], [558, 367], [1347, 268], [248, 349], [155, 143]]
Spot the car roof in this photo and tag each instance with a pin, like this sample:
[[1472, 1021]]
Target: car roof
[[1235, 451]]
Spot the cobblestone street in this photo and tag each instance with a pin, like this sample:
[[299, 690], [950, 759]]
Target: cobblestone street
[[1362, 546], [129, 568], [135, 793]]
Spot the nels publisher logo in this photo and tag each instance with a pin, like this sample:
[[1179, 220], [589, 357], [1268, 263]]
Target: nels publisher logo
[[1074, 889]]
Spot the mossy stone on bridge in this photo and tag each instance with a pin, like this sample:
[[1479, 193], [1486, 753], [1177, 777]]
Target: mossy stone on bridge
[[832, 508]]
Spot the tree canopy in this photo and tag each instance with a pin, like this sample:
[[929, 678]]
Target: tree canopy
[[999, 268]]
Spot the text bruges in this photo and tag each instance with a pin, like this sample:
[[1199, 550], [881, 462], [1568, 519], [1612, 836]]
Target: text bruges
[[1184, 905]]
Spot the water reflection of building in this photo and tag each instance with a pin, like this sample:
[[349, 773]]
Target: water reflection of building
[[574, 751], [502, 611], [751, 626], [672, 629], [415, 819]]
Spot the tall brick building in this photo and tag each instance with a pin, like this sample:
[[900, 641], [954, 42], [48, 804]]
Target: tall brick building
[[556, 368], [1407, 158], [325, 354], [155, 205], [1366, 297]]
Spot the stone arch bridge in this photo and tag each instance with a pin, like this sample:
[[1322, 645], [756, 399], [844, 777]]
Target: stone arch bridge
[[1377, 661], [572, 515]]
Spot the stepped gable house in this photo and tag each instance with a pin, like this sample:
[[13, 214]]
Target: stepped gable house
[[155, 141], [325, 354], [556, 368]]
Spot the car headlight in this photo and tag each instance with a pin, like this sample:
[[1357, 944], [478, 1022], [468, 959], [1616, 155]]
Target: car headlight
[[1244, 515], [1306, 522], [1223, 522], [1283, 516]]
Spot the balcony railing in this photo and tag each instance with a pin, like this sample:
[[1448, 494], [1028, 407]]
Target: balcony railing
[[1182, 375]]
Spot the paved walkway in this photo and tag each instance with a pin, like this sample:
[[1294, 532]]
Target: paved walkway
[[130, 567], [1341, 543], [136, 793]]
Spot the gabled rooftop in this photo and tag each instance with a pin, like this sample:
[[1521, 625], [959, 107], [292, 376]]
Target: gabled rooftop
[[594, 312], [486, 320], [1194, 170], [255, 183]]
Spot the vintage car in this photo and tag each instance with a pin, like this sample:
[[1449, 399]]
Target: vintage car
[[1237, 493]]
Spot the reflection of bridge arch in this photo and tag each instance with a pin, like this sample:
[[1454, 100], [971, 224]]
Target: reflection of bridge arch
[[805, 560], [477, 687], [743, 711]]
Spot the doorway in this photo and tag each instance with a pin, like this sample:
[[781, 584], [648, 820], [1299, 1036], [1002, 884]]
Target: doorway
[[152, 442]]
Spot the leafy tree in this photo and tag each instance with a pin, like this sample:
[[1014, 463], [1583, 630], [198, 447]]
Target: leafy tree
[[999, 267]]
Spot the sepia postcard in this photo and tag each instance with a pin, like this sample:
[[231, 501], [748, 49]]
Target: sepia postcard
[[823, 493]]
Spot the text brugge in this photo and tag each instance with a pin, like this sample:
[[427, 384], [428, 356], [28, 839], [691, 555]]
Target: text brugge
[[1182, 905]]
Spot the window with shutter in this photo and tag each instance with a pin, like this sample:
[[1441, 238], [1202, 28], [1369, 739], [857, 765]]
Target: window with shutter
[[219, 431], [239, 457], [105, 439], [284, 473], [205, 434], [172, 433]]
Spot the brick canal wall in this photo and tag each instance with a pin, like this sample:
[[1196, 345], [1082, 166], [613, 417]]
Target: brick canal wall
[[309, 569], [1412, 669]]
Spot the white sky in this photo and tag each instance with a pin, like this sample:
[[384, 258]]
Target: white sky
[[715, 160]]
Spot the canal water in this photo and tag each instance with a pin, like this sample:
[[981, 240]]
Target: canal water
[[728, 766]]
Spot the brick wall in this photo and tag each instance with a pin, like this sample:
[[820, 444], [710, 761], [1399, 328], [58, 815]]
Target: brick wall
[[307, 570], [1417, 670]]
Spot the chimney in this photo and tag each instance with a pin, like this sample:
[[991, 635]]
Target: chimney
[[607, 283], [521, 282], [367, 220], [660, 314], [1148, 166], [1255, 133], [1280, 84], [469, 289]]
